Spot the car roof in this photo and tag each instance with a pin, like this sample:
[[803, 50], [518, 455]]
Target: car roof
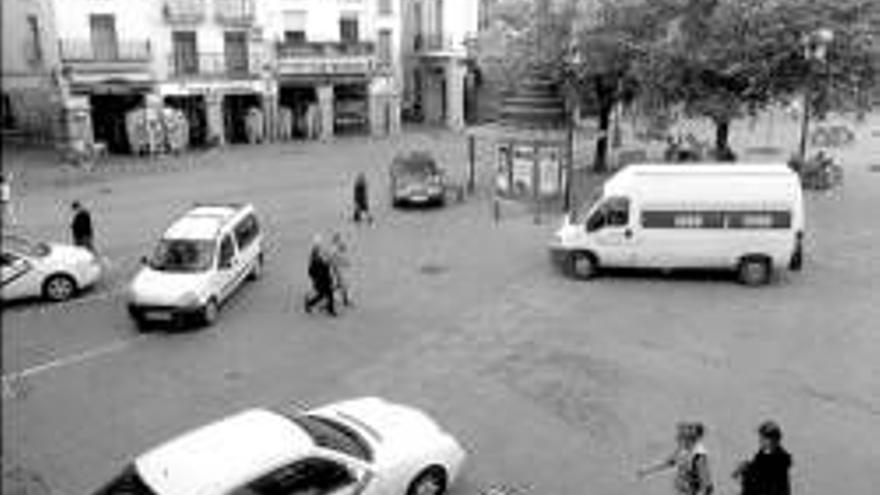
[[224, 455], [203, 222]]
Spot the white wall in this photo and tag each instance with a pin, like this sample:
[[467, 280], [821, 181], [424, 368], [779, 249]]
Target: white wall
[[16, 37]]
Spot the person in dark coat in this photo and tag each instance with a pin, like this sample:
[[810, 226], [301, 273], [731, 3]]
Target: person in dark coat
[[81, 227], [361, 200], [321, 274], [767, 472]]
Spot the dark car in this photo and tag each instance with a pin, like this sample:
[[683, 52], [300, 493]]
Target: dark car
[[417, 179]]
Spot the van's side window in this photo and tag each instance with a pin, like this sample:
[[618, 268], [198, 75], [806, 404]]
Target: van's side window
[[227, 251], [246, 231], [614, 212]]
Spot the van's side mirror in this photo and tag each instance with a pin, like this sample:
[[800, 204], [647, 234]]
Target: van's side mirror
[[145, 260]]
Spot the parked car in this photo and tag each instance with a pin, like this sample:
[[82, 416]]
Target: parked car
[[416, 178], [53, 271], [363, 446], [197, 265]]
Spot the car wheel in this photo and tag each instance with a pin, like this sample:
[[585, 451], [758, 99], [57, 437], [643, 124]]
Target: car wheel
[[210, 312], [583, 265], [754, 271], [59, 287], [257, 270], [431, 481]]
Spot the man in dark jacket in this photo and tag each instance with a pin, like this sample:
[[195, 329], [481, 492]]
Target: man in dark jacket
[[767, 472], [81, 227], [361, 200], [322, 280]]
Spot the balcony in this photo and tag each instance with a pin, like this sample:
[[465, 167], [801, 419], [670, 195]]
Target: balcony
[[442, 44], [215, 66], [235, 12], [123, 56], [183, 11], [326, 59]]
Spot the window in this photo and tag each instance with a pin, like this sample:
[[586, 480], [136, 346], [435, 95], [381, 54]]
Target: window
[[227, 252], [613, 213], [385, 47], [348, 27], [236, 52], [185, 49], [717, 219], [35, 47], [246, 231], [385, 7], [104, 42], [182, 256], [313, 475], [295, 26]]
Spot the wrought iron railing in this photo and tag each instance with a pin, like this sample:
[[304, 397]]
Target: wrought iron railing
[[235, 12], [183, 11], [324, 49], [83, 50], [214, 65]]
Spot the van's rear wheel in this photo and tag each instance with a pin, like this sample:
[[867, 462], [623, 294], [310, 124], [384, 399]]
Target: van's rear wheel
[[755, 271], [583, 265]]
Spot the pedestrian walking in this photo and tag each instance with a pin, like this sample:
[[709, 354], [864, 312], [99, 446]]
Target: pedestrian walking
[[690, 461], [767, 472], [339, 263], [81, 227], [361, 200], [321, 276]]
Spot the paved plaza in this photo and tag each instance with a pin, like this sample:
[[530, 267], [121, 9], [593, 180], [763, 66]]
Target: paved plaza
[[554, 386]]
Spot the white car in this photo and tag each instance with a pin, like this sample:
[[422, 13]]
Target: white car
[[366, 446], [199, 262], [55, 272]]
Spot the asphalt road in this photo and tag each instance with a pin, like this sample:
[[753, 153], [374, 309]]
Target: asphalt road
[[554, 386]]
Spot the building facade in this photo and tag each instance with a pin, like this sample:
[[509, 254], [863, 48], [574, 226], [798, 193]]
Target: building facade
[[439, 38], [31, 104], [239, 70]]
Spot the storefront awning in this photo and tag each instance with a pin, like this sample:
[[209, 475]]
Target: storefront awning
[[116, 84]]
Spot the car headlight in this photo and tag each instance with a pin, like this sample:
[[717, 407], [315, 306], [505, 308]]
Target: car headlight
[[190, 299]]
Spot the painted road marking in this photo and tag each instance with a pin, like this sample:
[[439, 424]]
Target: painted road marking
[[14, 379]]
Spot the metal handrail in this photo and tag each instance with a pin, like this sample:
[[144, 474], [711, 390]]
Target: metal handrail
[[82, 50]]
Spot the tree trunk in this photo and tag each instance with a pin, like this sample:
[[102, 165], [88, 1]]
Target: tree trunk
[[600, 163], [722, 135]]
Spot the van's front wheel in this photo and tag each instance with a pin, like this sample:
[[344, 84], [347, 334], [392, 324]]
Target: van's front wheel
[[754, 271], [583, 265]]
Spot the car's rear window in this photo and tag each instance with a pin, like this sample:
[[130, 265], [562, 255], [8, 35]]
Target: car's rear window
[[128, 482], [415, 164], [334, 435]]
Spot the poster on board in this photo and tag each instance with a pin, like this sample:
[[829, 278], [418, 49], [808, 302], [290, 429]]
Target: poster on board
[[548, 171], [523, 167], [502, 170]]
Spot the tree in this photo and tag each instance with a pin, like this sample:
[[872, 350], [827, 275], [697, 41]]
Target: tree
[[723, 57]]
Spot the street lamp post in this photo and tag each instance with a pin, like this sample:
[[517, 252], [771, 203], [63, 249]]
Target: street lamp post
[[815, 48]]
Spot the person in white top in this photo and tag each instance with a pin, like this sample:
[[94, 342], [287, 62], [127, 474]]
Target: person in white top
[[690, 460]]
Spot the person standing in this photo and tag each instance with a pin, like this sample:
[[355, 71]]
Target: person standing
[[767, 472], [361, 200], [339, 262], [322, 279], [690, 461], [81, 227]]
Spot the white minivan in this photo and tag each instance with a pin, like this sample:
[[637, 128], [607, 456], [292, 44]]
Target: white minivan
[[198, 263], [748, 218]]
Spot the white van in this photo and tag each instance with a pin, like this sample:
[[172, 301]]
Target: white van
[[749, 218], [199, 262]]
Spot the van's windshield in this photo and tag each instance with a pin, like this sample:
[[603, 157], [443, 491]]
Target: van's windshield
[[579, 214], [183, 255]]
